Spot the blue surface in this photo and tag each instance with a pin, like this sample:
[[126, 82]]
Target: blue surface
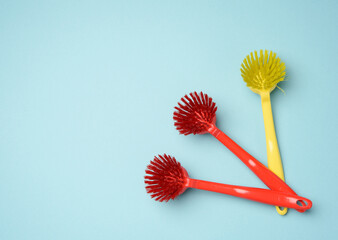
[[87, 90]]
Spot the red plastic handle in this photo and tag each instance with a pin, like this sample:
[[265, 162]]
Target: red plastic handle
[[255, 194], [270, 179]]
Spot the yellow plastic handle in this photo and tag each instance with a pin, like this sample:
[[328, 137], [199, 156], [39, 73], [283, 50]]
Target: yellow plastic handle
[[274, 159]]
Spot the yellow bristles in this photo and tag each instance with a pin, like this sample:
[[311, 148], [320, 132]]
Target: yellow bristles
[[264, 72]]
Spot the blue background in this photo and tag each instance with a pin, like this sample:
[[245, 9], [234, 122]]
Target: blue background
[[87, 90]]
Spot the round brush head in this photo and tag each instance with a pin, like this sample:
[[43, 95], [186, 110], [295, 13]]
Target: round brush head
[[195, 114], [264, 72], [165, 178]]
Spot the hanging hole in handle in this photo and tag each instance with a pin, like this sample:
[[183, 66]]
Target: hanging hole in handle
[[302, 203]]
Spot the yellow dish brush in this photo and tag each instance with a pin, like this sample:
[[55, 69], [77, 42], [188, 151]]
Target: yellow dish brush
[[261, 75]]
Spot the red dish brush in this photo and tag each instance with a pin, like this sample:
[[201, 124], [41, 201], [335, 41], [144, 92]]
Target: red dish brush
[[197, 115], [166, 179]]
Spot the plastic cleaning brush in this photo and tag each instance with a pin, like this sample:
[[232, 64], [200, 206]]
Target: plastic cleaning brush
[[261, 74], [197, 115], [166, 179]]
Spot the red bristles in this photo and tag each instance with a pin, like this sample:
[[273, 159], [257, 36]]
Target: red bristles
[[165, 178], [196, 115]]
